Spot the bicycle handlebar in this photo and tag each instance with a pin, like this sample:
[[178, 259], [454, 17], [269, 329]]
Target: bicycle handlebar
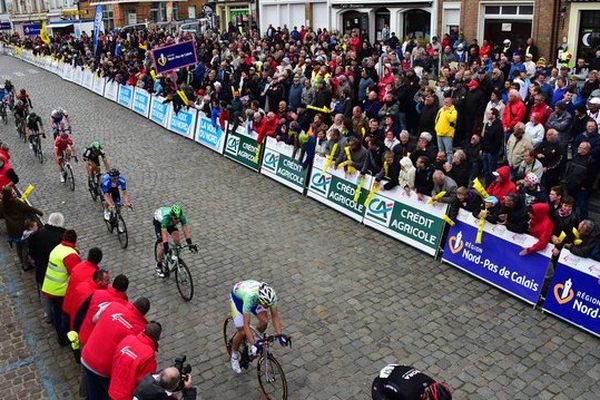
[[272, 338]]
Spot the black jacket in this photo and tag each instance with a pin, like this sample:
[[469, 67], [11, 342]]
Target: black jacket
[[493, 137], [41, 244], [424, 181], [149, 389]]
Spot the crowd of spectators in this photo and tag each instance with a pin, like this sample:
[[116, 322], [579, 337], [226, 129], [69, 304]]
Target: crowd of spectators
[[426, 116]]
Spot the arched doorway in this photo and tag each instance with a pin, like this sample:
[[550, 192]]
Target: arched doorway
[[382, 24], [355, 20], [417, 23]]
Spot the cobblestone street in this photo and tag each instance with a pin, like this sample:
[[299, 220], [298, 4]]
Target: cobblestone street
[[353, 299]]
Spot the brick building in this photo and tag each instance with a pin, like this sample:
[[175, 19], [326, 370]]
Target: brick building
[[497, 20], [119, 13]]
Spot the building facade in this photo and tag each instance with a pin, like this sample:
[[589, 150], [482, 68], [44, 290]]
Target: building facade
[[579, 21], [497, 20]]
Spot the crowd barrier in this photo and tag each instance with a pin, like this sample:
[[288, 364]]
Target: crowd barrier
[[574, 294]]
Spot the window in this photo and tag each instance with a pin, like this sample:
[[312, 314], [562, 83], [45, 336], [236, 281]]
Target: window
[[108, 18], [509, 10], [492, 9], [525, 10], [158, 12]]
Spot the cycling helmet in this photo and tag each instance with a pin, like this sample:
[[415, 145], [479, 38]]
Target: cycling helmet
[[55, 113], [266, 295], [23, 91], [61, 110], [19, 103], [176, 211], [96, 146], [32, 115], [113, 173]]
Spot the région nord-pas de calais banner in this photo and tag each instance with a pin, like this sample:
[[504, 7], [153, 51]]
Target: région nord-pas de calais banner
[[174, 56]]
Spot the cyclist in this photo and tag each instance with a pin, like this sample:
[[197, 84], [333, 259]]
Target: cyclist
[[10, 88], [166, 220], [62, 143], [4, 99], [247, 298], [110, 184], [33, 125], [59, 117], [19, 112], [24, 97], [399, 382], [91, 156]]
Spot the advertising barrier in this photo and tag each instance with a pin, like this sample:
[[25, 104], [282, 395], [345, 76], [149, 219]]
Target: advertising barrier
[[574, 293], [98, 85], [66, 72], [88, 79], [182, 123], [125, 96], [241, 147], [336, 188], [174, 56], [56, 67], [141, 102], [111, 90], [159, 112], [406, 218], [496, 260], [278, 164], [209, 135], [78, 76]]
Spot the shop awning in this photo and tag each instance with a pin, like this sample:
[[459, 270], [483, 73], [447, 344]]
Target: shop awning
[[106, 2], [60, 24]]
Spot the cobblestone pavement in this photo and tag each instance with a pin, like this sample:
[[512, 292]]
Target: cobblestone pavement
[[353, 299]]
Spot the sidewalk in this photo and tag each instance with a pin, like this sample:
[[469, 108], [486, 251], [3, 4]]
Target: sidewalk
[[26, 346]]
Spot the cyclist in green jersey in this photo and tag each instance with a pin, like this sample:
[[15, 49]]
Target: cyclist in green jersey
[[166, 220], [33, 123], [249, 298]]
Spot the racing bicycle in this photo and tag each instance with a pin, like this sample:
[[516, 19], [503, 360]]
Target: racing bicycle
[[67, 170], [174, 263], [94, 186], [271, 377], [36, 142], [117, 223], [3, 113]]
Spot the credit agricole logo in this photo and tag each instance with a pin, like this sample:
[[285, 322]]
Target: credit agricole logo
[[233, 145], [320, 183], [270, 161], [380, 210]]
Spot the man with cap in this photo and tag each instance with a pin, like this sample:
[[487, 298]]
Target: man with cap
[[41, 244], [560, 120], [424, 147], [400, 382], [593, 111]]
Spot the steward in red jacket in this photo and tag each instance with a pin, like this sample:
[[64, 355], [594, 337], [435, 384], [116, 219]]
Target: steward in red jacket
[[134, 358], [82, 272], [114, 323], [100, 281]]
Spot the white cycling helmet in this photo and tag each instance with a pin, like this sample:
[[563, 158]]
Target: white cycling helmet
[[266, 295], [55, 113]]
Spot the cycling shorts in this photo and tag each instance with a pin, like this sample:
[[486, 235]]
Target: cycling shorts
[[158, 229], [115, 194], [236, 310]]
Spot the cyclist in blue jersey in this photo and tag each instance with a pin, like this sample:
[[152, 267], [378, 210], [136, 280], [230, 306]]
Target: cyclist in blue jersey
[[111, 185]]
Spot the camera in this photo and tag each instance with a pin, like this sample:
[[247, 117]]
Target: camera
[[184, 370]]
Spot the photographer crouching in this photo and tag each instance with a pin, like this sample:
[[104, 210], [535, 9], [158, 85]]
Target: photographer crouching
[[168, 384]]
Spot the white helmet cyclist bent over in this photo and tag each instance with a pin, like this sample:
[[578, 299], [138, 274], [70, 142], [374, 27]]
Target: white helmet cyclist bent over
[[249, 298]]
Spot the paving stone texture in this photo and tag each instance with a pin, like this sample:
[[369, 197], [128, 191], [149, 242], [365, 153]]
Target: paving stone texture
[[353, 299]]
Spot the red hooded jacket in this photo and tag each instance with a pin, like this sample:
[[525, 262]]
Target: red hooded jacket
[[504, 187], [100, 299], [134, 358], [81, 293], [113, 324], [513, 114], [540, 227], [82, 272]]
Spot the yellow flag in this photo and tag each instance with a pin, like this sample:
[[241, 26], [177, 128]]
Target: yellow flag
[[153, 74], [27, 192], [44, 33], [183, 97]]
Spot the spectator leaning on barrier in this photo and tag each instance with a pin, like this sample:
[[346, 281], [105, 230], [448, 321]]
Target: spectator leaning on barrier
[[589, 235], [134, 358], [41, 243], [61, 261], [512, 214], [564, 219], [502, 185], [531, 191], [423, 177], [7, 174], [540, 227], [443, 183]]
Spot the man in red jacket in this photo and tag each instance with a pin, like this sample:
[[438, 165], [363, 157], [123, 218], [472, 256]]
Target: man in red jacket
[[514, 112], [98, 300], [82, 272], [100, 281], [114, 323], [133, 360], [502, 185], [540, 227]]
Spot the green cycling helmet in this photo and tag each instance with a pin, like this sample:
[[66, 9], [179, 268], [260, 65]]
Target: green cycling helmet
[[176, 211], [96, 145]]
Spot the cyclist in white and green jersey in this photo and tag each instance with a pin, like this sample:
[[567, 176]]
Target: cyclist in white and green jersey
[[166, 220], [247, 298]]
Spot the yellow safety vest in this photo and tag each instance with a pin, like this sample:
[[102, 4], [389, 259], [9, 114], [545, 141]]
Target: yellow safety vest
[[57, 277]]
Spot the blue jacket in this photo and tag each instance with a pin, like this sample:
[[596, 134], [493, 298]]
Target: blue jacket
[[593, 140]]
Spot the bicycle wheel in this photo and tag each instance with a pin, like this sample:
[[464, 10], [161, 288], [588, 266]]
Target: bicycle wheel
[[122, 231], [271, 378], [156, 244], [38, 150], [228, 331], [92, 188], [183, 277], [70, 177]]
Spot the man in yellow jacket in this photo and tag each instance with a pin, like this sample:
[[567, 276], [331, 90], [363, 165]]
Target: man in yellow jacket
[[63, 258], [445, 123]]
